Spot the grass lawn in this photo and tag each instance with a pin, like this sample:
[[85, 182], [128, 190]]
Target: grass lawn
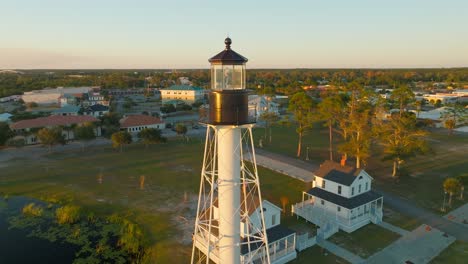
[[105, 181], [366, 240], [401, 220], [285, 139], [424, 175], [317, 254], [456, 253]]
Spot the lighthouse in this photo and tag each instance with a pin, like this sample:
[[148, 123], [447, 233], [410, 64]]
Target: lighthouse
[[230, 223]]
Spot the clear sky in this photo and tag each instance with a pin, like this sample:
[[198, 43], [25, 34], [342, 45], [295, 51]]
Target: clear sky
[[271, 34]]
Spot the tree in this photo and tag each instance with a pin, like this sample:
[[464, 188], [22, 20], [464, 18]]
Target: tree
[[462, 180], [358, 136], [453, 115], [402, 96], [85, 133], [300, 105], [121, 138], [450, 125], [451, 186], [419, 104], [181, 129], [329, 110], [151, 136], [50, 137], [30, 105], [5, 133], [401, 140], [269, 118]]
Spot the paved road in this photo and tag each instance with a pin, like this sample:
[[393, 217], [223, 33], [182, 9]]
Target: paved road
[[457, 230], [419, 246], [341, 252], [299, 169]]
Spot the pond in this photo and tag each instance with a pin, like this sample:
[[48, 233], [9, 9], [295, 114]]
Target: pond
[[17, 247]]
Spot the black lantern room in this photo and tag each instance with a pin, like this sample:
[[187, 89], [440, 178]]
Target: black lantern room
[[228, 96]]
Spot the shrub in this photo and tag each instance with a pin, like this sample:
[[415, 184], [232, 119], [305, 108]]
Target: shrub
[[67, 214], [32, 210]]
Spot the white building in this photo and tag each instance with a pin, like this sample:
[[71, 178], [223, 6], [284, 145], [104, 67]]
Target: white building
[[260, 104], [185, 93], [14, 98], [185, 81], [95, 98], [439, 115], [5, 117], [135, 123], [443, 98], [341, 198], [27, 129], [52, 95], [281, 240]]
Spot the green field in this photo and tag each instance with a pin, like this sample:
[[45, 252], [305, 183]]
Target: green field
[[366, 240], [105, 181], [423, 177], [456, 253]]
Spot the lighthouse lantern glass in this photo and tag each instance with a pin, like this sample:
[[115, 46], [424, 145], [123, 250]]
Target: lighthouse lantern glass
[[227, 77]]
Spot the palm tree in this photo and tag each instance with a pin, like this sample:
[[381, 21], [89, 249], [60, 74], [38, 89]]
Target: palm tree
[[451, 186]]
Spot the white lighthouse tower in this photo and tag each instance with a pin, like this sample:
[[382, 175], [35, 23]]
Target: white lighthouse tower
[[230, 223]]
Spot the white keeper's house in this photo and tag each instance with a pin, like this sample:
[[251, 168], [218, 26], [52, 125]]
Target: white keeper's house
[[281, 240], [341, 198]]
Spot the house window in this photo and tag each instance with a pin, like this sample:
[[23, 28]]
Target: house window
[[359, 188], [339, 189], [323, 184], [273, 220], [322, 202], [367, 186], [339, 209], [352, 190]]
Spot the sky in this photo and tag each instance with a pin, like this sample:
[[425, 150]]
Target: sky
[[168, 34]]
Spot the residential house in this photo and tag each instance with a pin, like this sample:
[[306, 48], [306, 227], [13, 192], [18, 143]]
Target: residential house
[[135, 123], [14, 98], [27, 128], [5, 117], [188, 94], [96, 110], [281, 240], [439, 115], [341, 198], [52, 95], [67, 110], [68, 99], [95, 97], [259, 104]]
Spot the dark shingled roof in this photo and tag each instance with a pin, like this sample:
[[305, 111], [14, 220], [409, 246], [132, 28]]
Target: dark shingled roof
[[97, 107], [333, 171], [349, 203], [228, 56], [273, 234]]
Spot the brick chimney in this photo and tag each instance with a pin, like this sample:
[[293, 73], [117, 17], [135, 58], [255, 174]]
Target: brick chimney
[[343, 161]]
